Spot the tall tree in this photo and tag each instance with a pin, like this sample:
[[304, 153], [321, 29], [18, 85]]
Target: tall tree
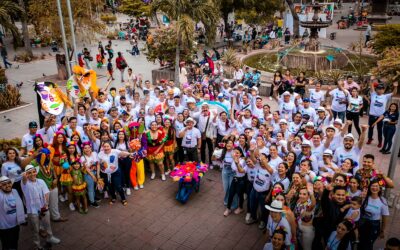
[[134, 8], [296, 19], [44, 16], [186, 13], [9, 10], [25, 32]]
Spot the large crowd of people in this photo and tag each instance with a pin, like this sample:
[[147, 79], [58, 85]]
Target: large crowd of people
[[297, 171]]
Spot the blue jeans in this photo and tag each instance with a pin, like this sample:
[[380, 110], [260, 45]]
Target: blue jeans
[[90, 187], [227, 177], [388, 133], [369, 231], [114, 184], [257, 199], [341, 115], [6, 62]]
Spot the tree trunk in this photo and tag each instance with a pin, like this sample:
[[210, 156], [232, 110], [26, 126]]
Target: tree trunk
[[177, 53], [227, 26], [25, 32], [296, 20]]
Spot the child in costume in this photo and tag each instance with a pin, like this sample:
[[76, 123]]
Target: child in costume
[[66, 177], [156, 139], [79, 187], [138, 144]]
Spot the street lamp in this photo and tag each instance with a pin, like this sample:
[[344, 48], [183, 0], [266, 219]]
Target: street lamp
[[71, 24]]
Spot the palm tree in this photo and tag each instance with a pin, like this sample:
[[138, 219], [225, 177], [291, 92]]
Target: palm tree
[[8, 10], [186, 13]]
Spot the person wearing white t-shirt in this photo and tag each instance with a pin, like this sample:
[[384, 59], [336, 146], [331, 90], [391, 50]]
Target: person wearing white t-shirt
[[286, 107], [11, 214], [353, 110], [36, 195], [374, 216], [110, 171], [317, 96], [238, 75], [377, 108], [277, 220], [238, 183], [339, 100], [102, 102], [261, 185], [305, 108], [27, 139], [90, 162], [191, 140], [349, 150]]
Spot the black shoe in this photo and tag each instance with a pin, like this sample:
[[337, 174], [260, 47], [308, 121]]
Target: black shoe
[[386, 152], [381, 150], [94, 204]]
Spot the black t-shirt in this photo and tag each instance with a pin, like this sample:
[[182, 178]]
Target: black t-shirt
[[391, 117]]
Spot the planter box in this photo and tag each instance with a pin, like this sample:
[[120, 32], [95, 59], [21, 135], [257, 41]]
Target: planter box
[[162, 73]]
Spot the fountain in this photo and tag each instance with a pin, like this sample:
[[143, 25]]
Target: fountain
[[314, 25]]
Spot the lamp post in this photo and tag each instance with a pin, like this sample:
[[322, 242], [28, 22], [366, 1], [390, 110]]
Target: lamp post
[[394, 156], [71, 24], [64, 38]]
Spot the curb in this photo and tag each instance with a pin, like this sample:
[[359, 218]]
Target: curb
[[16, 108]]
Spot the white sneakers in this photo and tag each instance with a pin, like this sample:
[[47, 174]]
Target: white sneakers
[[168, 172], [61, 198], [163, 177], [136, 188], [141, 186], [54, 240], [153, 175], [128, 191], [71, 207]]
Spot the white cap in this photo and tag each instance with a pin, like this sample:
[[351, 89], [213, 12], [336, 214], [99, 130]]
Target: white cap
[[4, 179], [309, 124], [328, 152], [240, 85], [322, 109], [306, 143], [283, 121], [220, 95], [255, 88], [206, 64], [331, 127], [29, 168], [204, 104], [190, 100], [338, 120], [349, 135], [286, 93], [225, 80]]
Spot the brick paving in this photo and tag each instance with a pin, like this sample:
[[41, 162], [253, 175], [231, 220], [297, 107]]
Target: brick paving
[[153, 219]]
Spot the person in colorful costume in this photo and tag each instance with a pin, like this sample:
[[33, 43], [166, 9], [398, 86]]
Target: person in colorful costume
[[138, 144], [170, 145], [156, 139], [66, 177], [58, 151], [79, 187]]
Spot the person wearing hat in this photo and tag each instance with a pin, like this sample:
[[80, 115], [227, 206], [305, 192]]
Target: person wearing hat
[[207, 129], [207, 69], [11, 214], [36, 195], [349, 149], [223, 101], [277, 220], [191, 140], [322, 119], [326, 167], [309, 130], [339, 100], [306, 154], [377, 108], [27, 139], [305, 108], [286, 106]]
